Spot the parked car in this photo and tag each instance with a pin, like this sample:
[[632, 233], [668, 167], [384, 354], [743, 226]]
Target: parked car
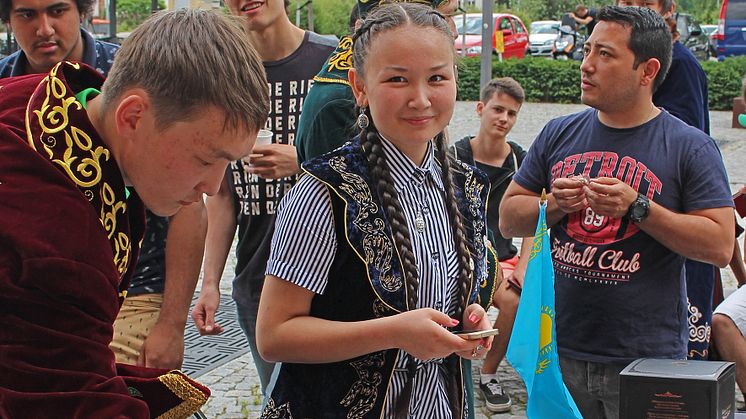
[[515, 35], [712, 32], [708, 29], [731, 37], [692, 36], [541, 37]]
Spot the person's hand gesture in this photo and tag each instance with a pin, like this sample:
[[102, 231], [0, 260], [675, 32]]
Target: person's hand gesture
[[569, 194], [274, 161], [609, 197], [204, 311], [164, 347], [475, 318], [422, 333]]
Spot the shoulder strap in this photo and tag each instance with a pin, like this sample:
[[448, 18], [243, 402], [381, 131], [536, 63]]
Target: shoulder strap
[[462, 151], [515, 148]]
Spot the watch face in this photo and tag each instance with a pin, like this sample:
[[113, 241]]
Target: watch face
[[639, 209]]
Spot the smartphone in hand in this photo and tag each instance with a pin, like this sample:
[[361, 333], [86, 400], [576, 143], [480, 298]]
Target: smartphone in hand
[[477, 334]]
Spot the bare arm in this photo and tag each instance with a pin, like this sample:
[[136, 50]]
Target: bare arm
[[222, 221], [286, 332], [164, 346], [520, 268], [583, 21], [705, 235]]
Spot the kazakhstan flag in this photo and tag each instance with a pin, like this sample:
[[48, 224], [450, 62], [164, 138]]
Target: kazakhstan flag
[[533, 346]]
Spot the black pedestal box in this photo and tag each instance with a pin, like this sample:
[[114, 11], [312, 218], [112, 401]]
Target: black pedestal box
[[677, 389]]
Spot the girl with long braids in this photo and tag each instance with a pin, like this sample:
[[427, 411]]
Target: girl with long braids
[[379, 250]]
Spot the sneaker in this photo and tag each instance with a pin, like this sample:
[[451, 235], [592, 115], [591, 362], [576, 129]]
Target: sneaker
[[495, 398]]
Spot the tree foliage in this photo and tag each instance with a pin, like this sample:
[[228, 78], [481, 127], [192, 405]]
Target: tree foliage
[[131, 13], [332, 16]]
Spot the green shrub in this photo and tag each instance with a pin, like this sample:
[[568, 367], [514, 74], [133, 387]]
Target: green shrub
[[724, 81], [131, 13], [559, 81], [543, 80]]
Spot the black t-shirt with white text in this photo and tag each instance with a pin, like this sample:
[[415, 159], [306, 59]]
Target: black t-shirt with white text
[[256, 199]]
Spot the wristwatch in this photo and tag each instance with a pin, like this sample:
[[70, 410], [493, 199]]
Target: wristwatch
[[639, 209]]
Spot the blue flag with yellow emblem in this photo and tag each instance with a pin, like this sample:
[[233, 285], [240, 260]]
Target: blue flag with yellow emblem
[[533, 346]]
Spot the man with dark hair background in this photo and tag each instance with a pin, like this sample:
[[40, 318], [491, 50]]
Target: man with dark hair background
[[585, 16], [634, 192], [49, 32]]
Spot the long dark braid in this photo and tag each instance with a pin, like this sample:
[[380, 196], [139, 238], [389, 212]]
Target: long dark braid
[[463, 247], [381, 176]]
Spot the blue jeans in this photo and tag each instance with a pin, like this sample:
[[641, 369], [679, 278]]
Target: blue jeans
[[247, 319], [594, 386]]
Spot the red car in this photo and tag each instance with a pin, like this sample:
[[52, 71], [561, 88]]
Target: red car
[[469, 27]]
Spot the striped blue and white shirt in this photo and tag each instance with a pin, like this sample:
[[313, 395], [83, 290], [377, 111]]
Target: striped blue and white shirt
[[304, 245]]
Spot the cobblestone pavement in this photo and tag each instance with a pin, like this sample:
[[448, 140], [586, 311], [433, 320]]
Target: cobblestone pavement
[[235, 385]]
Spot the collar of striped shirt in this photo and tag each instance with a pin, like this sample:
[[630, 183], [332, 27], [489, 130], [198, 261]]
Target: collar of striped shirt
[[404, 171]]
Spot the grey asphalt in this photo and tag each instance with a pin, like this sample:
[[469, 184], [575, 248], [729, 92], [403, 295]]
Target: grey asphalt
[[235, 385]]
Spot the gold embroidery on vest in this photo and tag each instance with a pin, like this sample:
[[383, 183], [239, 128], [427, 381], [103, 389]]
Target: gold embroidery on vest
[[376, 245], [85, 172], [120, 242], [280, 412], [361, 397]]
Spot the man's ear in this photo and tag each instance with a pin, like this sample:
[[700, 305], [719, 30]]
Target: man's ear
[[670, 12], [130, 112], [358, 88], [650, 70], [480, 108]]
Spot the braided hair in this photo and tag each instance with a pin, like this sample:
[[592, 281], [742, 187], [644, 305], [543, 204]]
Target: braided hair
[[384, 18]]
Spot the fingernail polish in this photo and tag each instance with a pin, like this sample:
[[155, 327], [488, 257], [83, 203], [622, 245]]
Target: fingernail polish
[[473, 318], [454, 322]]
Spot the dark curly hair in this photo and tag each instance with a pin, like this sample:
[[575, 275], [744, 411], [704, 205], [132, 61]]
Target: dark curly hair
[[84, 8]]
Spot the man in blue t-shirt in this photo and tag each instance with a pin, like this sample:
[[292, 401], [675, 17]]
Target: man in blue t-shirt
[[633, 192]]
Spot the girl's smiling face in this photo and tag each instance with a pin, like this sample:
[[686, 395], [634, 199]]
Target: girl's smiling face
[[409, 84]]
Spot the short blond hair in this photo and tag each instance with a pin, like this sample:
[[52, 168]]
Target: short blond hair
[[190, 59]]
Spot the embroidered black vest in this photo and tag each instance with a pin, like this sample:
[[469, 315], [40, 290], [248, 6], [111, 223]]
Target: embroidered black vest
[[356, 388]]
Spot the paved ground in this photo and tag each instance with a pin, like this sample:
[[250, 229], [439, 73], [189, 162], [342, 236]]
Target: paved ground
[[235, 385]]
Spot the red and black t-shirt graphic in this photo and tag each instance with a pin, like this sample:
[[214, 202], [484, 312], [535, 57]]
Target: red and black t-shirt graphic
[[593, 248]]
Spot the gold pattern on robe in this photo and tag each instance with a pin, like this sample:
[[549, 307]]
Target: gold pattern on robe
[[74, 151], [342, 60]]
